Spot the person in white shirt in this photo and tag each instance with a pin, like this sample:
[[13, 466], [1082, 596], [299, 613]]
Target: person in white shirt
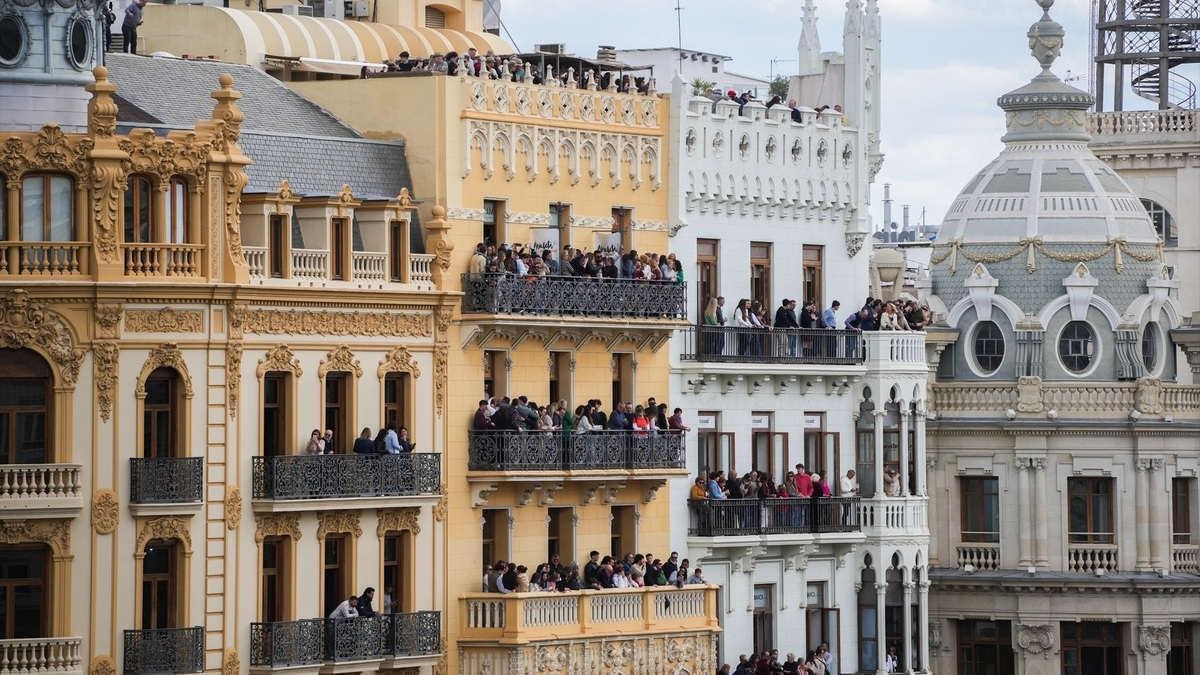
[[619, 578], [849, 488], [347, 610], [890, 663], [388, 606]]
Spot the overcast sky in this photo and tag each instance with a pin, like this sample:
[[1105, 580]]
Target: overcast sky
[[944, 64]]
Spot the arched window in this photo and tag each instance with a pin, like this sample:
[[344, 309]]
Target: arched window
[[162, 415], [177, 211], [138, 210], [988, 347], [1150, 340], [1076, 346], [25, 385], [1164, 224], [47, 213]]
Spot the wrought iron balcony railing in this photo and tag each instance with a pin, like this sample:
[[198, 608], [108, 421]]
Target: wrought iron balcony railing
[[164, 651], [285, 644], [732, 517], [573, 296], [334, 476], [166, 480], [800, 346], [555, 451]]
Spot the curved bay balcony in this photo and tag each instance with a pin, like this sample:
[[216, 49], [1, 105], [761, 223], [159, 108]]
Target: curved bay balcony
[[308, 482], [581, 297], [801, 346], [406, 640], [164, 651]]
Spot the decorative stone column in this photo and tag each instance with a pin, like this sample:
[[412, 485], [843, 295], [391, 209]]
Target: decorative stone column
[[923, 636], [1142, 514], [879, 415], [1159, 529], [904, 450], [1024, 534], [1154, 642], [906, 667], [1040, 515], [919, 421], [1035, 647], [880, 623]]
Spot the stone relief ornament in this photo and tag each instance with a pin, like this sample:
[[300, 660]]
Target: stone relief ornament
[[398, 360], [340, 359], [1029, 394], [106, 511], [24, 321], [56, 533], [108, 318], [230, 662], [279, 359], [166, 527], [277, 525], [233, 376], [105, 356], [1149, 396], [233, 507], [169, 356], [339, 521], [552, 659], [854, 243], [1154, 641], [102, 664], [398, 520], [165, 320], [1035, 639], [361, 324]]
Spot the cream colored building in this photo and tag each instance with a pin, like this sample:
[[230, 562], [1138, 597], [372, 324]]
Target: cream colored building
[[1063, 457]]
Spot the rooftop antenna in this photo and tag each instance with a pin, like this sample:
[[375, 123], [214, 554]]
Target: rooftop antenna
[[679, 31]]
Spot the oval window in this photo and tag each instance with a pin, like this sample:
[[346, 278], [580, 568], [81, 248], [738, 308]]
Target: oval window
[[1150, 338], [988, 347], [1076, 346], [13, 40], [79, 43]]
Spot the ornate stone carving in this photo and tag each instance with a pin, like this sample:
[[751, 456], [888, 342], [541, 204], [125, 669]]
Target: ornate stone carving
[[361, 324], [233, 507], [854, 243], [185, 154], [341, 360], [935, 637], [238, 313], [56, 533], [338, 521], [168, 356], [166, 527], [552, 659], [441, 360], [108, 318], [233, 377], [1149, 396], [281, 359], [440, 509], [1154, 641], [105, 358], [231, 663], [1035, 639], [24, 321], [165, 320], [398, 360], [1029, 394], [277, 525], [102, 664], [106, 511], [398, 520]]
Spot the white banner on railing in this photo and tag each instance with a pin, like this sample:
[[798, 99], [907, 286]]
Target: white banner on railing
[[543, 239]]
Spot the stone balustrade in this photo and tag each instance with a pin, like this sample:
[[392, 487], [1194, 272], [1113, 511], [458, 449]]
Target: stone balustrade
[[980, 556], [1091, 558], [1076, 398], [33, 656], [365, 266], [894, 516], [1128, 125], [41, 487], [522, 618], [163, 260], [1185, 558], [44, 258]]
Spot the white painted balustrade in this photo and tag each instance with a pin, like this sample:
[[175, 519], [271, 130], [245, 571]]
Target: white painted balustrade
[[420, 268], [368, 266], [979, 556], [1088, 558], [40, 655], [39, 481], [256, 260]]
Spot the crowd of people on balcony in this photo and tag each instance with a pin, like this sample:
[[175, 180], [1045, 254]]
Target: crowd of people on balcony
[[520, 415], [510, 68], [571, 262], [633, 570], [362, 605], [820, 661], [713, 488], [389, 441]]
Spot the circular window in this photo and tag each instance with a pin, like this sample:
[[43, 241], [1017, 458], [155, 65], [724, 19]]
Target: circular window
[[988, 347], [1150, 340], [79, 42], [1076, 346], [13, 40]]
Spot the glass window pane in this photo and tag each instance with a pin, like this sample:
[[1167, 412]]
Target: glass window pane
[[32, 208], [61, 213], [177, 232], [27, 611], [31, 448]]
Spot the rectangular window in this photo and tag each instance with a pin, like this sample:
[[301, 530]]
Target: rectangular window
[[623, 538], [980, 514], [814, 274], [494, 231], [1183, 505], [177, 212], [24, 422], [495, 535], [277, 245], [1181, 660], [159, 432], [560, 534], [23, 601], [985, 647], [560, 218], [1092, 648], [398, 251], [707, 274], [560, 377], [336, 410], [764, 618], [138, 207], [274, 420], [46, 208], [822, 453], [395, 399], [623, 377], [771, 453], [760, 273], [716, 451], [1089, 509], [336, 583], [396, 553], [274, 581], [339, 249]]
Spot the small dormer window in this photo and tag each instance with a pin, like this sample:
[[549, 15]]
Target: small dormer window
[[79, 42], [988, 347], [14, 40], [1076, 346], [1150, 340]]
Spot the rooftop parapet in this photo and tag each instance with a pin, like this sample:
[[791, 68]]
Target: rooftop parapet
[[541, 102]]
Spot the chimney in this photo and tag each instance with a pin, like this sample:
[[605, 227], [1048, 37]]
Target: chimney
[[606, 53], [887, 205]]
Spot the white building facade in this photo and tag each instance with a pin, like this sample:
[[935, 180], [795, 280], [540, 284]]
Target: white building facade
[[772, 209]]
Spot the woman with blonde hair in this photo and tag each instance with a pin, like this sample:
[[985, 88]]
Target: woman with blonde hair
[[710, 329]]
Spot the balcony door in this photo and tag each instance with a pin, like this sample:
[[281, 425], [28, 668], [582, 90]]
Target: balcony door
[[161, 415], [336, 410], [395, 399], [623, 535], [398, 571], [821, 453], [398, 251], [276, 423], [336, 581], [160, 585], [707, 274], [276, 579], [23, 589], [277, 245], [25, 382], [339, 249]]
